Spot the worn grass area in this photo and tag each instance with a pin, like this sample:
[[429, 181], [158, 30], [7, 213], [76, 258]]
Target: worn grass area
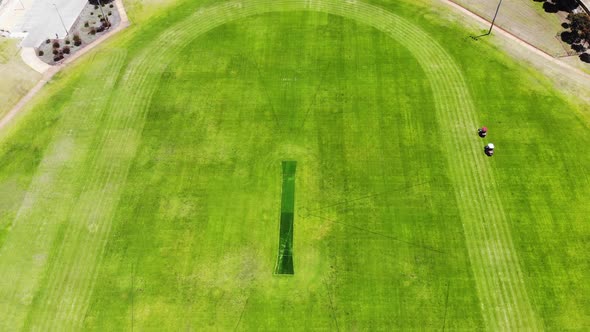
[[147, 198], [16, 78]]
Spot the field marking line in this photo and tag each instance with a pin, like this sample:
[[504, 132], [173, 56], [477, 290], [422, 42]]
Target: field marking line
[[446, 307], [242, 314], [315, 96], [132, 296], [332, 306], [52, 70]]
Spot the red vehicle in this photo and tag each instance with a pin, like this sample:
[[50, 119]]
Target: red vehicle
[[482, 132]]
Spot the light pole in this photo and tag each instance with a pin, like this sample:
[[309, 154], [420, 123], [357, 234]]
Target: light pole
[[103, 15], [61, 19]]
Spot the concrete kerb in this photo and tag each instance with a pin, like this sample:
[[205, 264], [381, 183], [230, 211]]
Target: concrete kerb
[[29, 56]]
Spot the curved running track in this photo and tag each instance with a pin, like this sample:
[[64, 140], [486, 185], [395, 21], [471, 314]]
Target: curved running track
[[499, 280]]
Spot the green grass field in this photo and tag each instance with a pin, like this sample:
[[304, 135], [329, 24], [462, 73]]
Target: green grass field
[[142, 190]]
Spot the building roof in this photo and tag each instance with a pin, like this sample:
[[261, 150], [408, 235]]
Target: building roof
[[37, 20]]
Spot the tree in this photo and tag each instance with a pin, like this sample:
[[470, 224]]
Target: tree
[[566, 5], [580, 24]]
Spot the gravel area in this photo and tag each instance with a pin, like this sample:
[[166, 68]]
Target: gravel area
[[90, 25]]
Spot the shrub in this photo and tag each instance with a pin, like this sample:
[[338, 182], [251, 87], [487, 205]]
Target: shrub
[[91, 13], [56, 44], [111, 6], [110, 13], [99, 15], [102, 19], [93, 31], [566, 5], [41, 53], [47, 41], [86, 24], [66, 50], [95, 7], [550, 7], [77, 40], [99, 2], [55, 52], [100, 29], [58, 57]]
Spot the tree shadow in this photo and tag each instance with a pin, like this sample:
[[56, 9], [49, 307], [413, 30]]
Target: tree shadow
[[585, 57]]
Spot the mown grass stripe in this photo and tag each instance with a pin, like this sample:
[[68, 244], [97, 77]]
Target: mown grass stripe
[[37, 217], [124, 124]]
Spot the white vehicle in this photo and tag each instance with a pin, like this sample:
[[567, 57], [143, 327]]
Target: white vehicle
[[489, 149]]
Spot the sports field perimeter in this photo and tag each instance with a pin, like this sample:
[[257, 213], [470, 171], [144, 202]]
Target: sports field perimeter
[[149, 196]]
